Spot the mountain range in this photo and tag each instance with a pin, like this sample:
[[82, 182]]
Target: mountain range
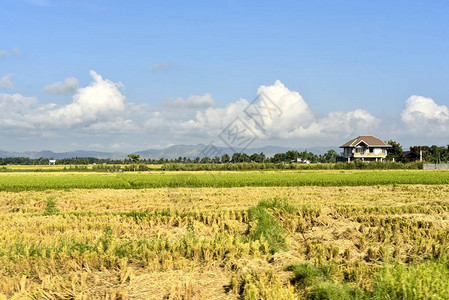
[[172, 152]]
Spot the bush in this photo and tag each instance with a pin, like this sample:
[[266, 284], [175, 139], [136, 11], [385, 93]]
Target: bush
[[359, 165]]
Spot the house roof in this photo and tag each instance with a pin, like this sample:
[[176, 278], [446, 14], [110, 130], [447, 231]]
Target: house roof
[[370, 140], [409, 154]]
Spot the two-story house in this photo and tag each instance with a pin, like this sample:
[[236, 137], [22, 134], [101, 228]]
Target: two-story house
[[365, 148]]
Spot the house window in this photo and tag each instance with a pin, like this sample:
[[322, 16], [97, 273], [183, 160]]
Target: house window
[[371, 150]]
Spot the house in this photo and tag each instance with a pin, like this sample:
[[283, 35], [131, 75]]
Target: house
[[365, 148], [410, 156], [52, 162], [302, 160]]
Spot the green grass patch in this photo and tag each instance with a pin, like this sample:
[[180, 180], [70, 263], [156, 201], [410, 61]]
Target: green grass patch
[[50, 208], [263, 224], [426, 280], [395, 281]]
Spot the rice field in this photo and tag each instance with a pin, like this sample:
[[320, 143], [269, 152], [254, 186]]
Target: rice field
[[194, 179], [60, 168], [229, 235]]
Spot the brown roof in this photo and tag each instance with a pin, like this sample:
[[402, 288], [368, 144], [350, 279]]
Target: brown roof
[[409, 154], [370, 140]]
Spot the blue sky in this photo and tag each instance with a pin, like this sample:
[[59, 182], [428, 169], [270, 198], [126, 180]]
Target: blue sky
[[336, 56]]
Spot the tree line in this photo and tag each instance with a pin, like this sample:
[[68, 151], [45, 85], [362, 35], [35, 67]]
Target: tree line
[[433, 154]]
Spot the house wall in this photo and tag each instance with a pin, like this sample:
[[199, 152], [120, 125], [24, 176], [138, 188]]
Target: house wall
[[377, 150], [353, 153]]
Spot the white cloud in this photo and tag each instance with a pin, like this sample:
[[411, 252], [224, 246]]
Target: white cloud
[[98, 101], [156, 122], [118, 125], [97, 108], [346, 124], [193, 101], [15, 103], [211, 121], [70, 85], [3, 53], [418, 108], [278, 113], [6, 81], [161, 66], [12, 110], [283, 111], [422, 114]]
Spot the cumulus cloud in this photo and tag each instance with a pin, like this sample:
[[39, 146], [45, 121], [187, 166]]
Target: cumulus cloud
[[100, 100], [278, 113], [346, 124], [161, 66], [12, 110], [6, 81], [193, 101], [97, 108], [418, 108], [422, 114], [15, 103], [70, 85]]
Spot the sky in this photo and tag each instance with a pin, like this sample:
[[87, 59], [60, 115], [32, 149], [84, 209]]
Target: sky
[[132, 75]]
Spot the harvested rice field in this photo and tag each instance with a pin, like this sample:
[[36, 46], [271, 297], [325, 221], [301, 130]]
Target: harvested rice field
[[186, 238]]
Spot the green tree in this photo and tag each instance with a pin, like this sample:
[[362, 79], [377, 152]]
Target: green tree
[[225, 158], [244, 157], [330, 156], [205, 160], [134, 158], [395, 151], [291, 155], [235, 157], [278, 157]]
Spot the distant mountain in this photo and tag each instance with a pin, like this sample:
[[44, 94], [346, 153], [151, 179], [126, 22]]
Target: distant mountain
[[7, 154], [172, 152], [62, 155]]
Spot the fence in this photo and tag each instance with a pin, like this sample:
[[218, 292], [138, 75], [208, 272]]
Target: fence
[[435, 166]]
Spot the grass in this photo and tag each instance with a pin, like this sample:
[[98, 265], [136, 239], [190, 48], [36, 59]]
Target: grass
[[424, 280], [265, 225], [44, 181], [50, 208]]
